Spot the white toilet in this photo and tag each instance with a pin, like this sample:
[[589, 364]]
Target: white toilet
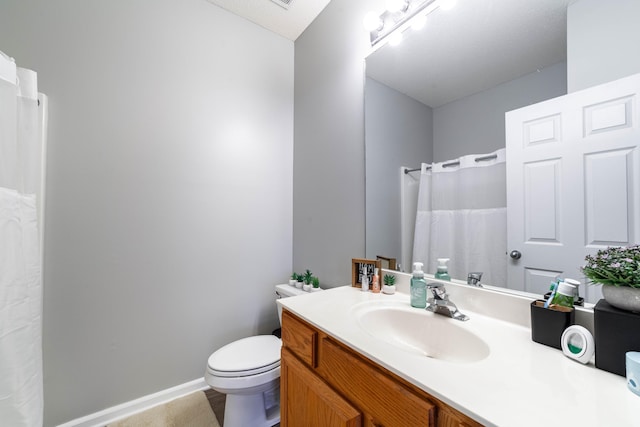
[[248, 372]]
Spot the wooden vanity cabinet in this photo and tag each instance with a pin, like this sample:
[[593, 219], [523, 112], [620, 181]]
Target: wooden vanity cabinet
[[324, 383]]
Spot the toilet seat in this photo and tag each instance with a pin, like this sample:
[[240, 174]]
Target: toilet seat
[[246, 357]]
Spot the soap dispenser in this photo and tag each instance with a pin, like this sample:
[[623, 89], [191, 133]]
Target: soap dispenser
[[375, 282], [418, 287], [443, 272]]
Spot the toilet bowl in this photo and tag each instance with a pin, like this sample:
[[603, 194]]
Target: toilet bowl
[[248, 372]]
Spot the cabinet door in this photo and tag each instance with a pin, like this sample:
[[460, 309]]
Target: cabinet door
[[447, 419], [384, 400], [306, 400]]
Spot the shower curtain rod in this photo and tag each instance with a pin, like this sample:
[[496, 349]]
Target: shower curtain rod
[[456, 163], [407, 170], [485, 158]]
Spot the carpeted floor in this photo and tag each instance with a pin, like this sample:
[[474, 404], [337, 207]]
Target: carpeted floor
[[193, 410], [199, 409]]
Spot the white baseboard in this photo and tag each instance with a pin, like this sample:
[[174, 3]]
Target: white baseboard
[[115, 413]]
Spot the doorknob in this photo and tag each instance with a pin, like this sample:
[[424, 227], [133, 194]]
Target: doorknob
[[515, 254]]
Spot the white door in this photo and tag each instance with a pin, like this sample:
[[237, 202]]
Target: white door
[[573, 182]]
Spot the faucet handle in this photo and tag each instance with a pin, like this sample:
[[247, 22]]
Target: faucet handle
[[474, 278], [438, 290]]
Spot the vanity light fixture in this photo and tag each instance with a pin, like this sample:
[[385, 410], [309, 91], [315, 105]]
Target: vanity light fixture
[[395, 39], [400, 15], [395, 6], [372, 22]]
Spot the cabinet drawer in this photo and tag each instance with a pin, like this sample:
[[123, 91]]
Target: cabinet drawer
[[300, 338], [385, 401]]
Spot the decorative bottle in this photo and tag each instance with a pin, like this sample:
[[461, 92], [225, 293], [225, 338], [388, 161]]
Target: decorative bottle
[[418, 287], [443, 272], [375, 282], [364, 287]]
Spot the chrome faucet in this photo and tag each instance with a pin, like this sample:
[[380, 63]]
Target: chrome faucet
[[473, 279], [438, 302]]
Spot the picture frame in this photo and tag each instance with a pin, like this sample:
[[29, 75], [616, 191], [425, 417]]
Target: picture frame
[[387, 263], [360, 266]]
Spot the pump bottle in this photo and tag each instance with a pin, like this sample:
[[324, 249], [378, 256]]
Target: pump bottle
[[443, 272], [364, 287], [418, 287], [375, 282]]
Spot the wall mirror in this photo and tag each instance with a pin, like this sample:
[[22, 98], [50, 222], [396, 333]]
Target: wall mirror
[[442, 94]]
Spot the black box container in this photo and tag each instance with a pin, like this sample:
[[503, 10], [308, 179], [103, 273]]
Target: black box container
[[616, 332], [547, 325]]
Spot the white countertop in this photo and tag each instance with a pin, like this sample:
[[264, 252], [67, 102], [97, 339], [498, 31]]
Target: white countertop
[[521, 383]]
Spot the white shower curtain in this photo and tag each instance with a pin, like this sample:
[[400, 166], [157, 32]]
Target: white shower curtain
[[462, 215], [22, 130]]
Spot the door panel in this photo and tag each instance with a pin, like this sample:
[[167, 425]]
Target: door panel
[[608, 210], [542, 204]]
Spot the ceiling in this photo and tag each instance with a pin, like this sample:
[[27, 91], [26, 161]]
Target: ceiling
[[288, 18], [473, 47]]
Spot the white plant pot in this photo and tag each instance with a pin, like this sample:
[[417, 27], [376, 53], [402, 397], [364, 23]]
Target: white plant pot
[[622, 297], [315, 289], [292, 282], [306, 287], [299, 285], [389, 290]]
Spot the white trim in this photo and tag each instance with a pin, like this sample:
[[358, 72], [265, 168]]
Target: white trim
[[124, 410]]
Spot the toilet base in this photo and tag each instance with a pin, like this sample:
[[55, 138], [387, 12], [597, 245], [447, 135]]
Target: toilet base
[[256, 410]]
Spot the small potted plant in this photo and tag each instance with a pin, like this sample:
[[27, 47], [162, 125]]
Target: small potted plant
[[389, 281], [299, 282], [294, 279], [617, 269], [307, 277], [315, 284]]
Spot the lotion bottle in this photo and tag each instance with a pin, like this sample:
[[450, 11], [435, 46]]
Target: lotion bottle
[[375, 282], [418, 287], [364, 287], [443, 271]]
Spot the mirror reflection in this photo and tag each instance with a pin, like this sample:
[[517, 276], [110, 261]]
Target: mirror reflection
[[440, 98]]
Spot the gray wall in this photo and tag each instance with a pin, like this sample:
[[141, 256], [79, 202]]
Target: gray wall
[[597, 52], [475, 124], [398, 132], [329, 192], [169, 216]]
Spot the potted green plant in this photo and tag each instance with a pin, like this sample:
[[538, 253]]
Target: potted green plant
[[617, 269], [294, 279], [315, 284], [307, 277], [389, 281], [299, 281]]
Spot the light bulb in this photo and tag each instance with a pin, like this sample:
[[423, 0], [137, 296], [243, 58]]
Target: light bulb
[[419, 22], [372, 22], [395, 39], [447, 4], [394, 6]]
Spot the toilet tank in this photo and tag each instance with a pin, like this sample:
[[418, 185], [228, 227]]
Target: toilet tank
[[286, 291]]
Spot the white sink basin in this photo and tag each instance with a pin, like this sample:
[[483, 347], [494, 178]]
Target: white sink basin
[[419, 331]]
